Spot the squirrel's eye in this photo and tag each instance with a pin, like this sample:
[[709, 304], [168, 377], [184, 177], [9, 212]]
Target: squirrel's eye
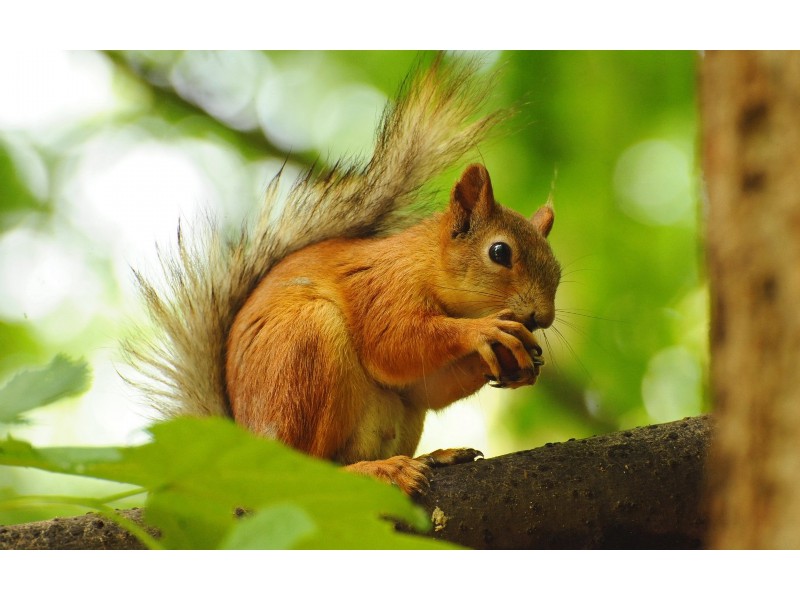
[[500, 252]]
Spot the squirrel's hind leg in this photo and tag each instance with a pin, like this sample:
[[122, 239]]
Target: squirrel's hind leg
[[293, 373]]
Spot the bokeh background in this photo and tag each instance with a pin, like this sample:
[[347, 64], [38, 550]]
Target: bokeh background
[[102, 153]]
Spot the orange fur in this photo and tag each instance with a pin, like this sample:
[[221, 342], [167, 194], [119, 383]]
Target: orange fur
[[345, 344]]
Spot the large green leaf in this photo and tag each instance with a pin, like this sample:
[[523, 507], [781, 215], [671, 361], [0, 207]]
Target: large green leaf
[[199, 472]]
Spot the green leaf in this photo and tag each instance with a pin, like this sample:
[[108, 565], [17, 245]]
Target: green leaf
[[34, 388], [71, 460], [203, 470], [198, 472], [271, 528]]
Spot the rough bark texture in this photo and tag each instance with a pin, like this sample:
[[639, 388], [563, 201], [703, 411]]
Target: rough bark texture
[[633, 489], [87, 532], [751, 146]]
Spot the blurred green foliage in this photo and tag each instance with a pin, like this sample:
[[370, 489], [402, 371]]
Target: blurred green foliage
[[611, 135], [633, 285], [34, 388]]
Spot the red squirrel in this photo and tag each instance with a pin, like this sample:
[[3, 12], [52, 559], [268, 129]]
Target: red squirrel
[[319, 329]]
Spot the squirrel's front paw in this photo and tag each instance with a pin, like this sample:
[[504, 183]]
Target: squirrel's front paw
[[499, 337], [511, 375]]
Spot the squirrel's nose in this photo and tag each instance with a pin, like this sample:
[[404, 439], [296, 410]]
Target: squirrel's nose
[[540, 319]]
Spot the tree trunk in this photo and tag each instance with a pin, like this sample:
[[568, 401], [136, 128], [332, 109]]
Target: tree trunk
[[750, 103], [633, 489]]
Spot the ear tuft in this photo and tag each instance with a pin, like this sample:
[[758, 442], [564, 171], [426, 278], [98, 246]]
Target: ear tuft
[[543, 219]]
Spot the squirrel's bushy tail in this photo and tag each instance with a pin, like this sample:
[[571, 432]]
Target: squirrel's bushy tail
[[179, 361]]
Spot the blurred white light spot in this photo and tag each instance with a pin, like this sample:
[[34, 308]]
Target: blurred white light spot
[[109, 413], [223, 83], [40, 274], [45, 89], [592, 400], [345, 123], [671, 387], [128, 194], [652, 180], [463, 424], [283, 104]]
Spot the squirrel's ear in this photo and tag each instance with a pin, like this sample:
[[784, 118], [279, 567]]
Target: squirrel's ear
[[471, 196], [543, 219]]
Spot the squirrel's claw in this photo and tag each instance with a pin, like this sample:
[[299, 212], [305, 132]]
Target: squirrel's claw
[[518, 378], [449, 456], [493, 382]]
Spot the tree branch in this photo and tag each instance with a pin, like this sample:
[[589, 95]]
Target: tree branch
[[633, 489], [640, 488], [87, 532], [173, 108]]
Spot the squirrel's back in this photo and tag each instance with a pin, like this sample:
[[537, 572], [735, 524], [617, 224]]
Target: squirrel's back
[[207, 278]]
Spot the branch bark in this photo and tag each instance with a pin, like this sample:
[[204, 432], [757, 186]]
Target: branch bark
[[633, 489], [87, 532]]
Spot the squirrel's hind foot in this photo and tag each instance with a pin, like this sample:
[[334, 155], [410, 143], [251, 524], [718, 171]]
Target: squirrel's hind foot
[[412, 475], [409, 474]]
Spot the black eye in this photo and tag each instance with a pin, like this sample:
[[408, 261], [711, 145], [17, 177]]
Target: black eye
[[500, 252]]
